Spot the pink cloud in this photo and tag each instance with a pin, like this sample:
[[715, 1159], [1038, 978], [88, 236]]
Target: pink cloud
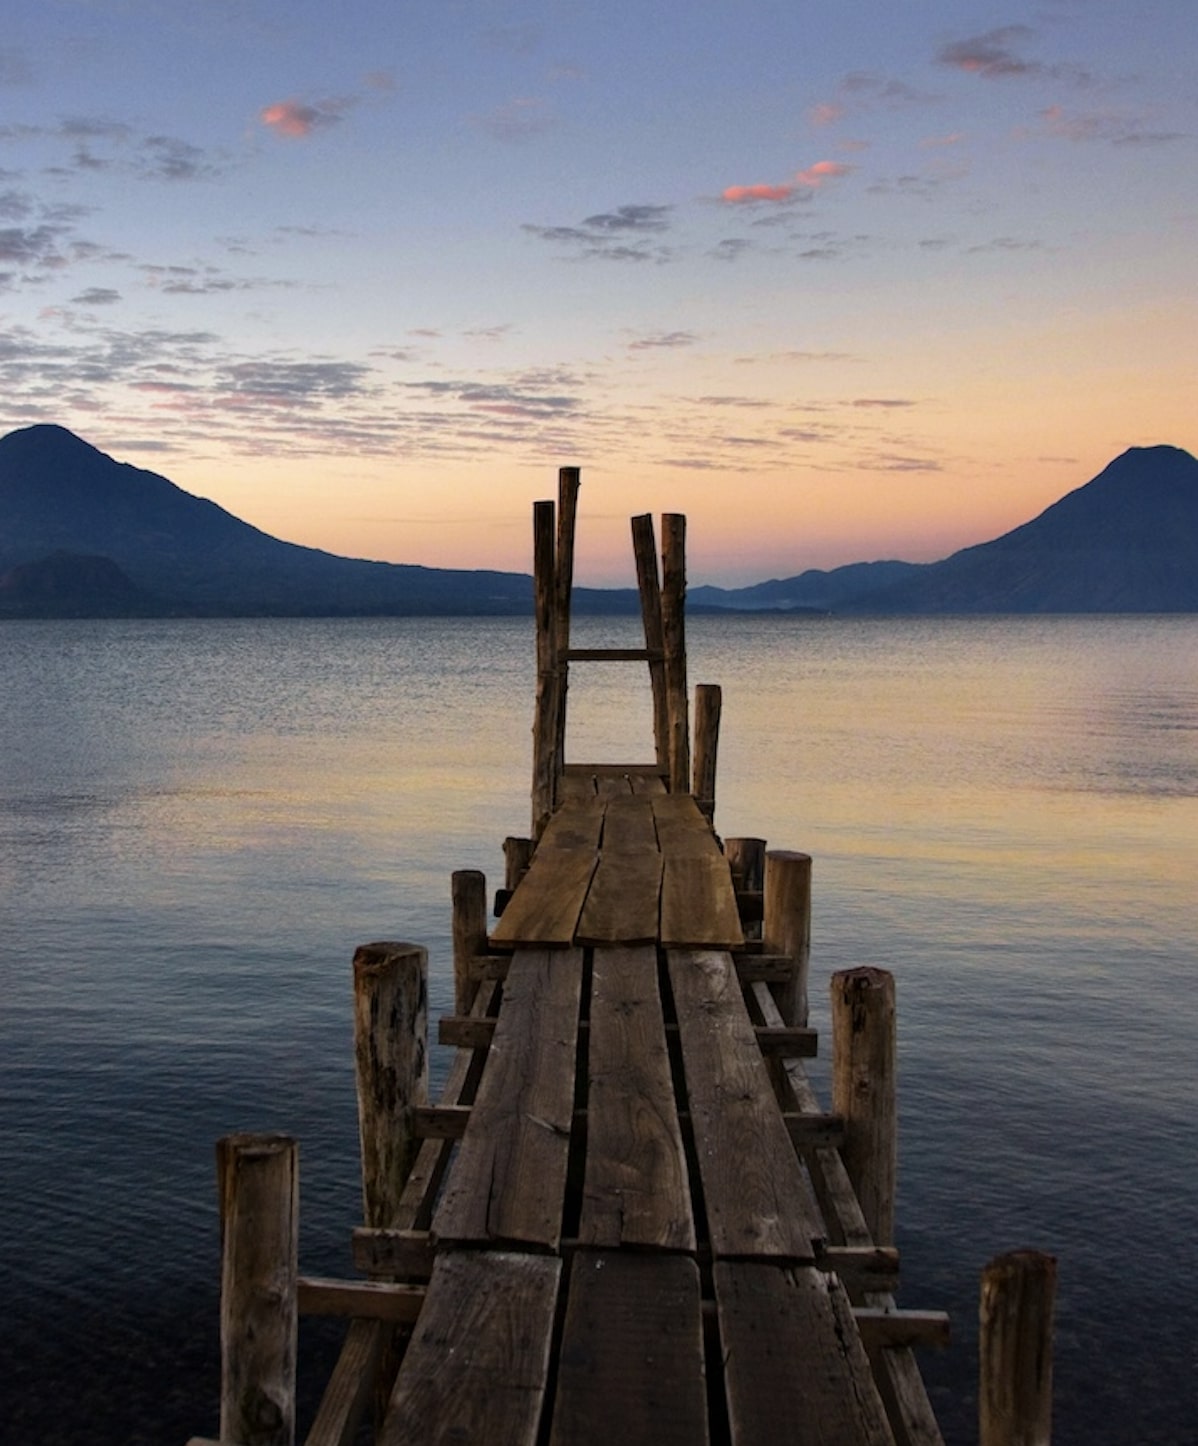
[[757, 193], [808, 180], [297, 120], [822, 171], [826, 113]]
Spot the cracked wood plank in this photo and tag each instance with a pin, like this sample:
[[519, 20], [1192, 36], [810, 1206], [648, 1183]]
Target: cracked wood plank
[[636, 1190], [508, 1181]]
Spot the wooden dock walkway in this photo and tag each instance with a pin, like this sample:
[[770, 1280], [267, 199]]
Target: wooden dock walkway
[[628, 1220]]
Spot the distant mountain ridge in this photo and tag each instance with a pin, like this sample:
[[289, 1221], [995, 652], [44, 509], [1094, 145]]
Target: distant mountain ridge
[[1127, 541], [84, 535], [60, 495]]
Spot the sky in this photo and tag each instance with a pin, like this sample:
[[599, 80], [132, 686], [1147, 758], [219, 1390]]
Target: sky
[[840, 283]]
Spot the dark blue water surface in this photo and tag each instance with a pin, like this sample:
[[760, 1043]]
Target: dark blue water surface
[[200, 820]]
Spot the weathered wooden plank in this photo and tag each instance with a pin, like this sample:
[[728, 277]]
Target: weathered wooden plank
[[478, 1361], [887, 1326], [614, 655], [636, 1190], [631, 1367], [545, 908], [405, 1254], [577, 824], [628, 826], [907, 1405], [644, 548], [648, 785], [509, 1179], [613, 785], [682, 831], [362, 1299], [698, 907], [794, 1366], [350, 1387], [624, 901], [756, 1196]]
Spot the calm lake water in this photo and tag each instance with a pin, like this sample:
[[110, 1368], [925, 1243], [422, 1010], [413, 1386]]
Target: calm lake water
[[200, 820]]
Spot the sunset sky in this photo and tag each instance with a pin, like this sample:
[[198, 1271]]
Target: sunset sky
[[863, 280]]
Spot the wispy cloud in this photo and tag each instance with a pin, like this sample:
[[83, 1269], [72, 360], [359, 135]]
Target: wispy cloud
[[1114, 128], [517, 120], [998, 55], [804, 183], [612, 235], [299, 119], [97, 296], [663, 340]]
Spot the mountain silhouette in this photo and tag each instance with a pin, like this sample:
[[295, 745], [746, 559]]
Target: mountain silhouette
[[84, 535], [1127, 541], [59, 495], [73, 585]]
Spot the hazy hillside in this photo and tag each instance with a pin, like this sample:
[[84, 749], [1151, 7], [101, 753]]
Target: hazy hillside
[[84, 535], [60, 495], [1125, 542]]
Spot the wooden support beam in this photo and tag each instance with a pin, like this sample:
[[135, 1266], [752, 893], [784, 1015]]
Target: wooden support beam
[[360, 1299], [863, 1090], [762, 968], [517, 854], [614, 655], [468, 889], [492, 967], [644, 548], [786, 925], [465, 1031], [708, 703], [258, 1184], [407, 1254], [1015, 1350], [889, 1327], [544, 731], [391, 1055], [673, 619], [351, 1386], [787, 1041], [568, 481], [440, 1122], [862, 1267], [809, 1131]]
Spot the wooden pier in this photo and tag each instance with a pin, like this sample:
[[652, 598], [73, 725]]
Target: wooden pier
[[628, 1219]]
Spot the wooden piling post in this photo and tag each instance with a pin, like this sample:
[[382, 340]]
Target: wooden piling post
[[517, 855], [468, 888], [568, 481], [708, 703], [644, 549], [863, 1090], [1015, 1350], [786, 926], [391, 1054], [258, 1184], [545, 764], [673, 618]]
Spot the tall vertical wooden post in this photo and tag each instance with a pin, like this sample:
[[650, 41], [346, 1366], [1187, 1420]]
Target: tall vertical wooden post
[[545, 715], [673, 618], [863, 1090], [786, 926], [708, 703], [391, 1055], [1015, 1350], [644, 549], [468, 890], [258, 1182], [517, 854], [746, 859], [568, 480]]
